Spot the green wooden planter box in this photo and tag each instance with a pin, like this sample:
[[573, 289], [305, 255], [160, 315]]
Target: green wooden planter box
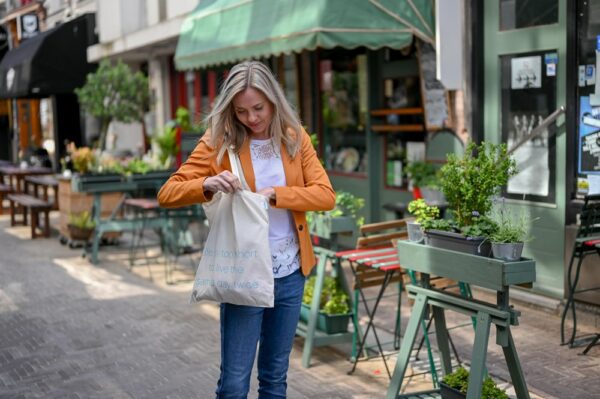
[[447, 392], [330, 324], [457, 242], [490, 273], [324, 226], [91, 183]]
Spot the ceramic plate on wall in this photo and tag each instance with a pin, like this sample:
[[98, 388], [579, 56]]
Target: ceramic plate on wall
[[348, 159]]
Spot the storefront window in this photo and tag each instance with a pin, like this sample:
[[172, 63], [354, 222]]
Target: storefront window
[[588, 143], [290, 81], [517, 14], [528, 97], [343, 122]]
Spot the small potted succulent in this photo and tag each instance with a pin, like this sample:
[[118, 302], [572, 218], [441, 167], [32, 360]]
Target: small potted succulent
[[423, 214], [455, 385]]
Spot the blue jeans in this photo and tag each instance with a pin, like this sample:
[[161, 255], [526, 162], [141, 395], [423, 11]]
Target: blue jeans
[[242, 327]]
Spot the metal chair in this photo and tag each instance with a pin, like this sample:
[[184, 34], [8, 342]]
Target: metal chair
[[374, 263], [177, 239], [587, 243]]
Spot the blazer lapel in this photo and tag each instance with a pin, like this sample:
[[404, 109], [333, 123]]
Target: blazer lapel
[[288, 167], [246, 161]]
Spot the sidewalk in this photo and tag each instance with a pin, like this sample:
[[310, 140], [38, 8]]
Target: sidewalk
[[69, 329]]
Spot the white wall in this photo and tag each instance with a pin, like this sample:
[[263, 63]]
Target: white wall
[[108, 20], [449, 43], [152, 12], [133, 16], [179, 7]]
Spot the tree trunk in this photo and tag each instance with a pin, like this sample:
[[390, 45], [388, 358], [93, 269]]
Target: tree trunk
[[145, 142], [104, 123]]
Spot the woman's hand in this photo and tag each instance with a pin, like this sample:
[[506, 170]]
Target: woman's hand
[[224, 181], [268, 192]]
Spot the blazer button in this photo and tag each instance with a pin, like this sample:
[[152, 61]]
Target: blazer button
[[300, 227]]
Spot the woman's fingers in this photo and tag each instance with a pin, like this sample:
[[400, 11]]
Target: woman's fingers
[[224, 181], [230, 182]]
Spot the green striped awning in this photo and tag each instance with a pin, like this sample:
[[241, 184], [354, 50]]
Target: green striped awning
[[226, 31]]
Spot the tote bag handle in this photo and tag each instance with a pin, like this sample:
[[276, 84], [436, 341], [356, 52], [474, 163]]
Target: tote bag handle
[[236, 168]]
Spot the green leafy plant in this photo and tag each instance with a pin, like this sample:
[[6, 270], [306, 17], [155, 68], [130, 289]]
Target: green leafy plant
[[346, 204], [167, 145], [422, 174], [333, 299], [438, 224], [511, 229], [459, 380], [114, 92], [137, 165], [422, 211], [469, 182], [82, 220], [481, 226]]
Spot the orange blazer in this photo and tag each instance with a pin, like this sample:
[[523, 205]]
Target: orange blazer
[[308, 187]]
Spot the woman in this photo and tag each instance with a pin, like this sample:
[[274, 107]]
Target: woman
[[252, 116]]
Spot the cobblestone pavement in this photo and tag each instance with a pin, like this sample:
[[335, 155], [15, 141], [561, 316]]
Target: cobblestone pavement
[[69, 329]]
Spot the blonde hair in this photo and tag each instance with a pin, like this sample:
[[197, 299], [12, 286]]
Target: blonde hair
[[228, 131]]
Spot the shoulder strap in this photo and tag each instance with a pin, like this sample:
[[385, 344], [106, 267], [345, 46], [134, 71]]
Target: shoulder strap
[[236, 168]]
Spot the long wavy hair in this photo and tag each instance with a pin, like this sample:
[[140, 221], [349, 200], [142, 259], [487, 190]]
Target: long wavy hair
[[228, 131]]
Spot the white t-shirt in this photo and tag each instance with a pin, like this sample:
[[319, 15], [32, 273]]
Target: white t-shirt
[[268, 172]]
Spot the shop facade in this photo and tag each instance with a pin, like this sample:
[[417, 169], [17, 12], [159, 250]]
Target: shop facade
[[534, 59], [523, 62], [39, 110], [364, 82]]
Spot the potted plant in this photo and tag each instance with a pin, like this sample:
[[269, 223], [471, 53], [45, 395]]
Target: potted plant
[[510, 236], [469, 184], [343, 219], [115, 93], [424, 180], [334, 310], [423, 213], [455, 385], [81, 226]]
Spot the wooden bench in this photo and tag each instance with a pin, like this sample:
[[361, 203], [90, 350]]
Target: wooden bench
[[43, 183], [22, 204], [4, 191]]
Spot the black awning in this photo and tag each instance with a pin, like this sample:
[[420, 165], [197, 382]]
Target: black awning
[[53, 62]]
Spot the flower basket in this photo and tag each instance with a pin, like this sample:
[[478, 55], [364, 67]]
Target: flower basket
[[330, 324], [80, 233], [458, 242]]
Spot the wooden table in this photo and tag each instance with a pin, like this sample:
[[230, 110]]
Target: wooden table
[[16, 175], [43, 182], [485, 272]]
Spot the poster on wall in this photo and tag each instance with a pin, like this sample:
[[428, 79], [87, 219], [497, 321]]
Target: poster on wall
[[435, 97], [589, 137], [532, 157], [526, 72], [528, 97]]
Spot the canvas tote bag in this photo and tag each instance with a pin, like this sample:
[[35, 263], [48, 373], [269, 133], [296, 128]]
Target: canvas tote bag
[[236, 262]]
